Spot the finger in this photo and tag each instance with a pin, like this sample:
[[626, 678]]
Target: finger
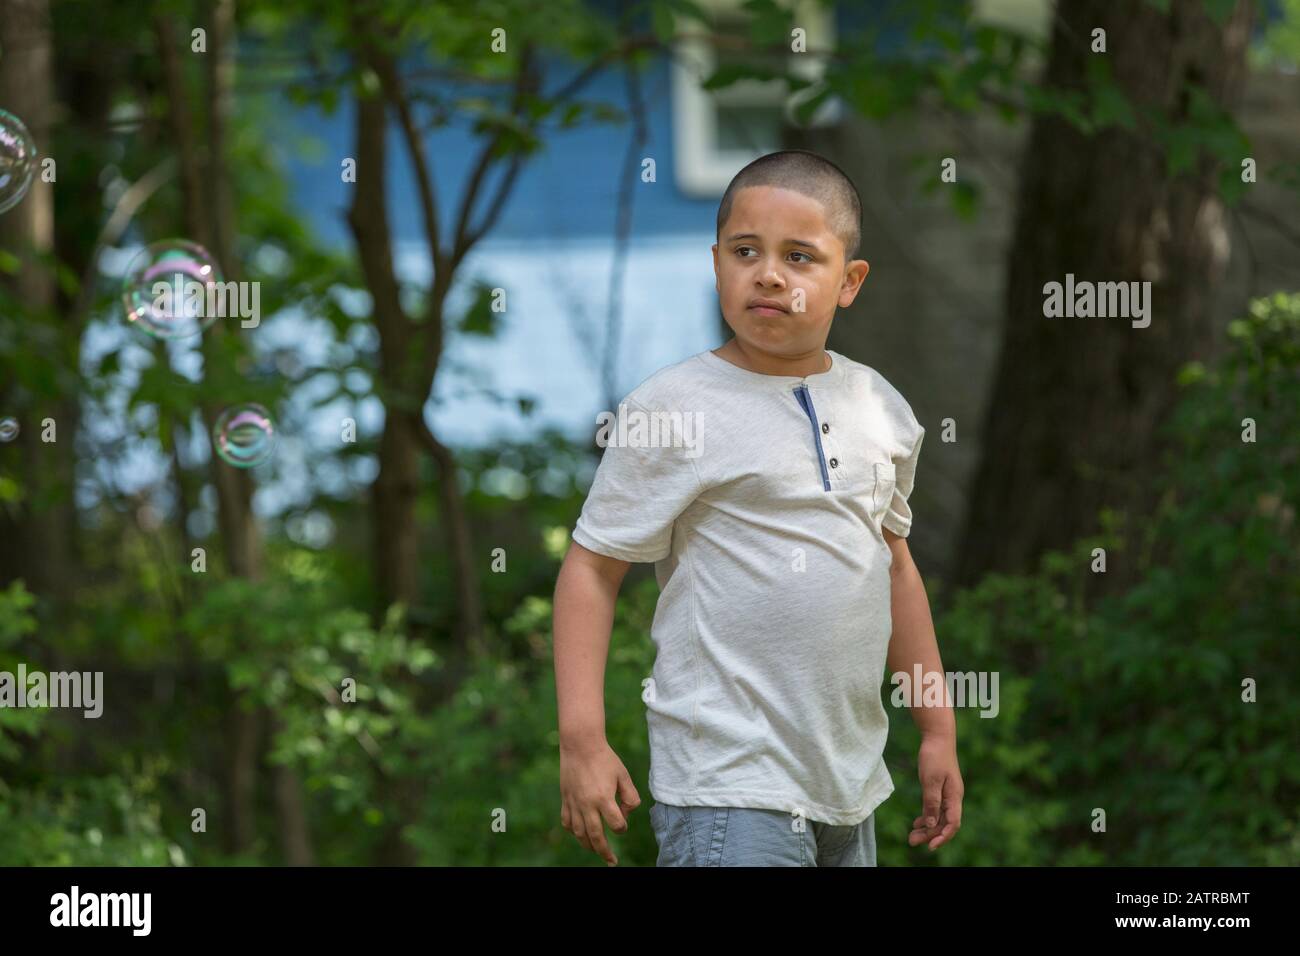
[[931, 796], [580, 831], [947, 834], [628, 798], [920, 834], [951, 819], [564, 814], [952, 804], [596, 834], [917, 839], [919, 825], [614, 817]]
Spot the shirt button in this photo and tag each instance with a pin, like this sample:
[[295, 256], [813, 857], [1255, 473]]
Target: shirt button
[[835, 462], [825, 428]]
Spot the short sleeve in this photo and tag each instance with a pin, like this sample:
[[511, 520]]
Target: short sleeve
[[641, 485], [898, 518]]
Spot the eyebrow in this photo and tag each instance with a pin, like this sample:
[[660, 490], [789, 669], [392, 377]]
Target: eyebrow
[[793, 242]]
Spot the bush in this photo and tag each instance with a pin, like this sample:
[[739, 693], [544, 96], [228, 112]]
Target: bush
[[69, 819], [1136, 705]]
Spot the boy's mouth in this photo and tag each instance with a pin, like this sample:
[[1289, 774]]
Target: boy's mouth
[[767, 307]]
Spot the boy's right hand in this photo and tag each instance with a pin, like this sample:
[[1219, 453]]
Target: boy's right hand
[[594, 785]]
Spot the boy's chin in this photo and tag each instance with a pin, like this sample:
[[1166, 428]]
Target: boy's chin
[[751, 323], [769, 335]]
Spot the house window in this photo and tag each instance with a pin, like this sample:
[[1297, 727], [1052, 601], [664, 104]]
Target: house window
[[716, 132]]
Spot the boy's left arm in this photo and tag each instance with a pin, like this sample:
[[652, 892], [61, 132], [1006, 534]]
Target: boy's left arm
[[913, 642]]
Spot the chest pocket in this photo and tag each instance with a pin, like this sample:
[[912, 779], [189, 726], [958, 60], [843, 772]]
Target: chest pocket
[[886, 476]]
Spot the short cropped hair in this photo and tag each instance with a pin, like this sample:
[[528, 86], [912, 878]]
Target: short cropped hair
[[812, 175]]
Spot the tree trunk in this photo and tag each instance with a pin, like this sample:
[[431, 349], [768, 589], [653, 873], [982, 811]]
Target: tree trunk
[[241, 745], [470, 640], [290, 807], [411, 351], [397, 486], [209, 207], [39, 538], [1076, 401]]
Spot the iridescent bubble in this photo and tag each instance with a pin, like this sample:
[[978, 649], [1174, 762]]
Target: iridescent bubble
[[17, 160], [169, 290], [8, 428], [244, 436]]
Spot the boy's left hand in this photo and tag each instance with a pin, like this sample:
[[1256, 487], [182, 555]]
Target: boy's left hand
[[941, 793]]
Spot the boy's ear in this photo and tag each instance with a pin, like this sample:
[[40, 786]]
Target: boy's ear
[[855, 273]]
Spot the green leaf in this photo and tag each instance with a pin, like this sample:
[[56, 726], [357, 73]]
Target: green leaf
[[329, 100], [729, 73], [805, 111], [1220, 10], [1110, 106], [965, 200], [479, 318], [693, 10], [1231, 188], [661, 19], [69, 281]]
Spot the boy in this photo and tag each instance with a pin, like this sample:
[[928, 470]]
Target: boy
[[775, 510]]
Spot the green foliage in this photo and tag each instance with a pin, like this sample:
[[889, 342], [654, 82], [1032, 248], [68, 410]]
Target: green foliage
[[1134, 704], [1280, 45], [85, 821], [495, 748], [341, 691], [954, 63], [70, 819], [1013, 796], [16, 621]]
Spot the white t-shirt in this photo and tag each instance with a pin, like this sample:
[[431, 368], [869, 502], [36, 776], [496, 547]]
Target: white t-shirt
[[761, 500]]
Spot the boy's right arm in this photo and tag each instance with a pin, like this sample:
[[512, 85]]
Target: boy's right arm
[[591, 774]]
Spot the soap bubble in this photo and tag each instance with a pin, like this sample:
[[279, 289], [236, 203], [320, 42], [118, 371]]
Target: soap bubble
[[244, 436], [8, 428], [17, 160], [166, 291]]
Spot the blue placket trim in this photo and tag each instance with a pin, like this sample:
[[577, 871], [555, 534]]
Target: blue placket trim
[[805, 400]]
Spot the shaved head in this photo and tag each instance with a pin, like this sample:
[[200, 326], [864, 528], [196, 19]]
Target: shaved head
[[811, 175]]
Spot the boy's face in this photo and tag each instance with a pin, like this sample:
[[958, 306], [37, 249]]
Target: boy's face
[[777, 245]]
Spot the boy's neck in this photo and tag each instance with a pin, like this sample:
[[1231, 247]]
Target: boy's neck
[[812, 363]]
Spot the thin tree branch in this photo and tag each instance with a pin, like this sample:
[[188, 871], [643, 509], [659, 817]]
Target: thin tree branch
[[382, 64], [1282, 227], [124, 210], [464, 238]]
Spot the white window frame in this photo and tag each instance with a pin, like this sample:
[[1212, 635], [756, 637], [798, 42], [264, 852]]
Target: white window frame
[[702, 168]]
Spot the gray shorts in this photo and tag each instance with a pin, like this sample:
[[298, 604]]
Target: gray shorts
[[742, 836]]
